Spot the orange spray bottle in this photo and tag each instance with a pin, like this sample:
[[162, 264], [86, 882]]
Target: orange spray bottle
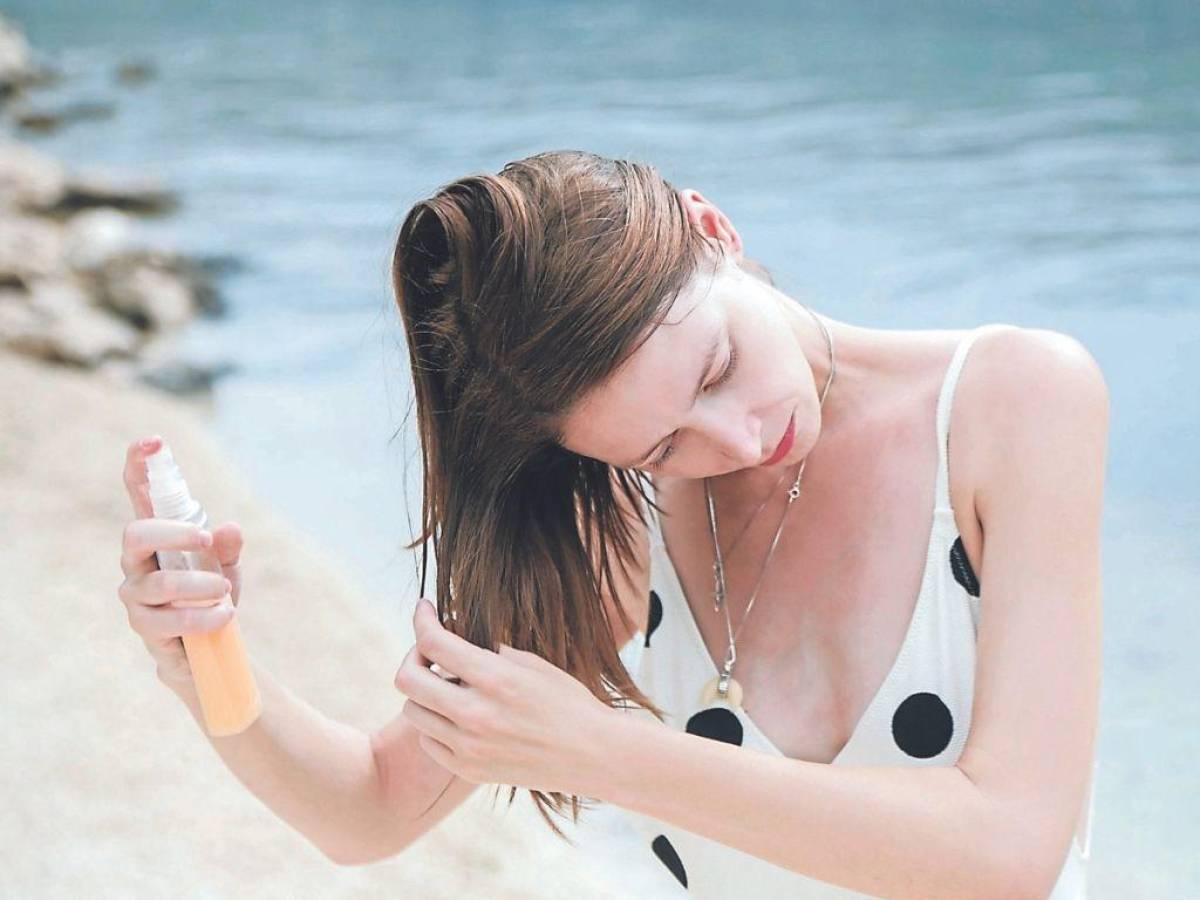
[[220, 667]]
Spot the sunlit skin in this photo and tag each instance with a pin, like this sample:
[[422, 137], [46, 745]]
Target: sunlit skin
[[1029, 437]]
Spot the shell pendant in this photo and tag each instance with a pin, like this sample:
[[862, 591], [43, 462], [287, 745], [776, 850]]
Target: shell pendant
[[722, 687]]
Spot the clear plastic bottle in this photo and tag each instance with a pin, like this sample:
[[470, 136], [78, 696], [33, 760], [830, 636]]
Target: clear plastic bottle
[[220, 667]]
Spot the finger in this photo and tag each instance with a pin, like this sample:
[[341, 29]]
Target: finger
[[136, 483], [438, 752], [179, 587], [418, 610], [414, 654], [159, 624], [227, 544], [429, 722], [451, 652], [145, 536], [415, 680]]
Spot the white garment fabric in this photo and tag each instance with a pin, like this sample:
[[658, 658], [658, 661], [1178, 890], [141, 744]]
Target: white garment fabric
[[920, 715]]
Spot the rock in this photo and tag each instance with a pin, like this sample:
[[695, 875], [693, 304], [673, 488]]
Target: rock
[[135, 71], [197, 276], [143, 288], [95, 236], [29, 180], [18, 319], [202, 274], [103, 187], [33, 182], [57, 297], [30, 248], [161, 364], [18, 67], [16, 62], [181, 376], [48, 120], [66, 328]]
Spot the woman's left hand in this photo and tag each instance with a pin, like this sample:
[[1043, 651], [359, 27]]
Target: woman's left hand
[[512, 718]]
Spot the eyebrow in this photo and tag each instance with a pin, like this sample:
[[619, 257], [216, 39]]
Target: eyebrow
[[709, 358]]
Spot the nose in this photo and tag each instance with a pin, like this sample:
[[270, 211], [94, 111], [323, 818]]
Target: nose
[[737, 438]]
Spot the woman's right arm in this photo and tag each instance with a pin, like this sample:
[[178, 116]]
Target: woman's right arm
[[358, 798]]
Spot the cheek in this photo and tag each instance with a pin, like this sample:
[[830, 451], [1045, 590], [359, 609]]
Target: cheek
[[777, 378]]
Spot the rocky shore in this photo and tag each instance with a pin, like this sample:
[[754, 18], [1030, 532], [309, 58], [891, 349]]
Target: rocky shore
[[75, 287]]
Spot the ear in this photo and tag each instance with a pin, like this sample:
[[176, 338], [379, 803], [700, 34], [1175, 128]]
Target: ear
[[711, 222]]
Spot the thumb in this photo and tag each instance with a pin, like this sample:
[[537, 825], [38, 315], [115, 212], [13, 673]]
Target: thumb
[[227, 545]]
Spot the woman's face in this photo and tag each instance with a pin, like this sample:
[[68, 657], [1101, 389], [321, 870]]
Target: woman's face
[[739, 341]]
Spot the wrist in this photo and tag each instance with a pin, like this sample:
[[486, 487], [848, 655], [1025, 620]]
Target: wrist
[[606, 763]]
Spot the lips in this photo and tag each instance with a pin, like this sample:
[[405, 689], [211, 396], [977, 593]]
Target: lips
[[785, 443]]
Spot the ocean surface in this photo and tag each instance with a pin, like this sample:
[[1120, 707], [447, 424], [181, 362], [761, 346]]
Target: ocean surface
[[919, 165]]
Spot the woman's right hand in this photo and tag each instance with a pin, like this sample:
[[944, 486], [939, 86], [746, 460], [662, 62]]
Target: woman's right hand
[[164, 604]]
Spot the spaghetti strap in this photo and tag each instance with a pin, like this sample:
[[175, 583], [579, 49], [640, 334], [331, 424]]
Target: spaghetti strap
[[945, 404]]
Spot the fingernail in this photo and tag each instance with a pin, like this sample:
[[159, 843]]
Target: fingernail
[[228, 586], [206, 538]]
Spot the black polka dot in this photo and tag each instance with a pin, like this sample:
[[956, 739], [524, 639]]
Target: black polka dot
[[664, 851], [717, 723], [655, 615], [922, 725], [961, 567]]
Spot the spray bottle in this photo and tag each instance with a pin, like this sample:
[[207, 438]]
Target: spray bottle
[[221, 670]]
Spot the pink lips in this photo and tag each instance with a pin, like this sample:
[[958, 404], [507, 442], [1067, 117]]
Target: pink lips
[[785, 443]]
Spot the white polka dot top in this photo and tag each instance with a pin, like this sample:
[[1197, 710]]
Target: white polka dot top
[[920, 715]]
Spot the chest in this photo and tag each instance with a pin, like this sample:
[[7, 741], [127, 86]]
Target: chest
[[836, 600]]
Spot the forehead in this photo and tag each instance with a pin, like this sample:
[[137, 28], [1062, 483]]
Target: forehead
[[645, 398]]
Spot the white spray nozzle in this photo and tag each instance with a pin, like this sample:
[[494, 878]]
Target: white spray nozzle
[[169, 496]]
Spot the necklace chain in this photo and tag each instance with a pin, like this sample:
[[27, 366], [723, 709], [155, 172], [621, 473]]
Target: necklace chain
[[719, 592]]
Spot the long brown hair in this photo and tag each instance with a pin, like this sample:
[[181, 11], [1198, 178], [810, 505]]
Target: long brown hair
[[520, 292]]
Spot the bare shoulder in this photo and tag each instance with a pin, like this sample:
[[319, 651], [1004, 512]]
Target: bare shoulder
[[1016, 371], [1023, 386], [1030, 355]]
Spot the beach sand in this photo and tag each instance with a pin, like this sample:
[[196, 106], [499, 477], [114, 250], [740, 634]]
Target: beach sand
[[110, 788]]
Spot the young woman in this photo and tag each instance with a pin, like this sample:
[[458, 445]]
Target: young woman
[[634, 446]]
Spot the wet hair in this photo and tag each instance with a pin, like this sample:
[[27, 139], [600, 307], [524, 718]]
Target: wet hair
[[520, 292]]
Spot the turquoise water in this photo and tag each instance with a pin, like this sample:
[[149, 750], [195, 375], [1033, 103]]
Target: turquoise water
[[924, 165]]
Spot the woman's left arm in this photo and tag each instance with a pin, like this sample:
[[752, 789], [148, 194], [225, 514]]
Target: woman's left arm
[[998, 823]]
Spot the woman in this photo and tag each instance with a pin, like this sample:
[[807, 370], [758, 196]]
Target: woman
[[911, 706]]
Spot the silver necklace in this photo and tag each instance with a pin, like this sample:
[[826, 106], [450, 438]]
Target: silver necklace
[[723, 684]]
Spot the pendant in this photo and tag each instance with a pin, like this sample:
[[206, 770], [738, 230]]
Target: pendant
[[729, 691]]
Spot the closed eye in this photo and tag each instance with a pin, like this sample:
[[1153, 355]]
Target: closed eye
[[725, 376]]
